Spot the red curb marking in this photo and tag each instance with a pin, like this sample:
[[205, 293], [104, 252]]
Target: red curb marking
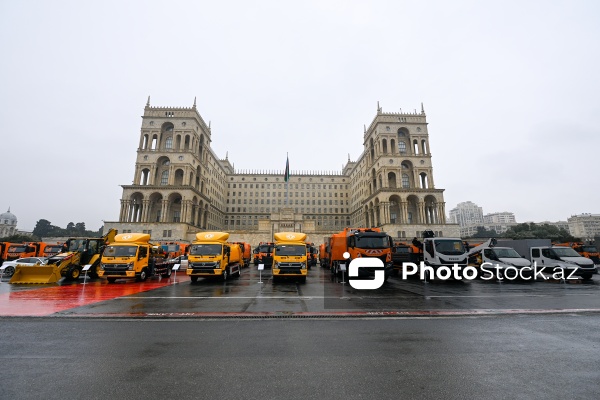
[[47, 301]]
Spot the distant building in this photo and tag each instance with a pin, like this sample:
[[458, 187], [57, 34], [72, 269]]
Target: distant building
[[8, 224], [466, 214], [584, 226], [499, 218]]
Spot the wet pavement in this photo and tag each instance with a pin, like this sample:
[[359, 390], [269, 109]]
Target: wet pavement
[[321, 295]]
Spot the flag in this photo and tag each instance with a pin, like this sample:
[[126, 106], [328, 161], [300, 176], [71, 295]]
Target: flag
[[286, 176]]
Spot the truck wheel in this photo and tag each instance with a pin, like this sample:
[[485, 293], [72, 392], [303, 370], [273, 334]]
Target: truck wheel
[[239, 274], [111, 280], [74, 273], [168, 273], [194, 279], [303, 279], [225, 274], [94, 271], [143, 275]]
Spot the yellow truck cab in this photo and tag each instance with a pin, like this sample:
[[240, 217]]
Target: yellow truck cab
[[131, 255], [289, 256], [211, 256]]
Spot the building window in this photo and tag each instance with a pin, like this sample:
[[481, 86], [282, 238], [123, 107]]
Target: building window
[[401, 146], [169, 143], [164, 180], [405, 181]]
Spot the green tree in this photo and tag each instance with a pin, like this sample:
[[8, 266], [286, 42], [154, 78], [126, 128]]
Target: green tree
[[43, 228], [535, 231], [482, 232]]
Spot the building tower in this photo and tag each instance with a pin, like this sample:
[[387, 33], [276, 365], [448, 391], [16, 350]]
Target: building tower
[[393, 181], [176, 190]]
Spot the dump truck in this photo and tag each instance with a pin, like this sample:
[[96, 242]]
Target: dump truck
[[69, 263], [499, 262], [263, 254], [132, 256], [246, 252], [211, 256], [361, 242], [290, 256]]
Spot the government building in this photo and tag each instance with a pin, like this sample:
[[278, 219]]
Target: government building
[[181, 187]]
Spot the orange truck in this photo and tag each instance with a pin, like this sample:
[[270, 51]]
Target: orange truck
[[585, 250], [246, 252], [324, 254], [311, 254], [21, 250], [211, 256], [361, 242], [263, 254]]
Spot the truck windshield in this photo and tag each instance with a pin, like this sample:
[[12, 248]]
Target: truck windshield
[[265, 248], [120, 251], [589, 249], [17, 249], [402, 250], [372, 242], [205, 250], [506, 253], [290, 250], [76, 244], [565, 252], [52, 249], [450, 247]]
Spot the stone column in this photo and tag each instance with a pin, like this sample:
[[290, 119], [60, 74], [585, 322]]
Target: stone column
[[164, 212], [404, 212], [146, 210], [386, 213]]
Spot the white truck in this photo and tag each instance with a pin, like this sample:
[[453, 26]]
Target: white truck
[[499, 262], [559, 261]]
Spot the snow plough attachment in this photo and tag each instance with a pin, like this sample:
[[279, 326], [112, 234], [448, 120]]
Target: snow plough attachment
[[41, 274], [68, 264]]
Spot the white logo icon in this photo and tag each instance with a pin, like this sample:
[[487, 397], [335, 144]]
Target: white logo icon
[[365, 262]]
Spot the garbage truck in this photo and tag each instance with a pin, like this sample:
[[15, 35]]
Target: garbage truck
[[290, 258]]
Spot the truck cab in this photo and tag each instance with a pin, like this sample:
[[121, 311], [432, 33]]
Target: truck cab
[[442, 251], [563, 258], [290, 256]]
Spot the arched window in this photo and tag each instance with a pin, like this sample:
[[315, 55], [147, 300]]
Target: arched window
[[402, 146], [164, 179], [405, 181], [169, 143]]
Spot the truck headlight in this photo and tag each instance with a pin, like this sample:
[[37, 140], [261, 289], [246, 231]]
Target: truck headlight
[[276, 265], [303, 265], [101, 267], [130, 266]]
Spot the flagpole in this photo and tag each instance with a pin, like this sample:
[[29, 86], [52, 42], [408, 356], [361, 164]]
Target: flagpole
[[287, 181]]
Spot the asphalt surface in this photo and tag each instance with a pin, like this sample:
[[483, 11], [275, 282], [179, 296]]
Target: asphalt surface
[[320, 295], [500, 357], [169, 338]]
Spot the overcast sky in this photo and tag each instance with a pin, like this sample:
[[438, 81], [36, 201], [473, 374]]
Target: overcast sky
[[510, 89]]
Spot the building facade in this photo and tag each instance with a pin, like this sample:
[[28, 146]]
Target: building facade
[[584, 226], [8, 224], [181, 187], [467, 213]]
